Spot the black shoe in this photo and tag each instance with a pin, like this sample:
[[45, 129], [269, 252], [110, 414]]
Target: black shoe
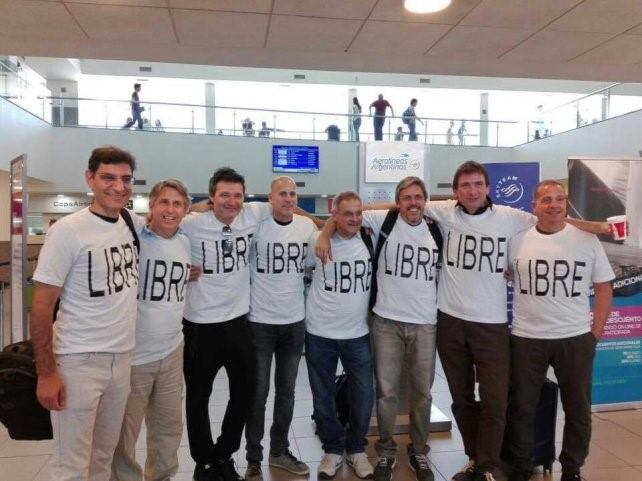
[[484, 476], [226, 470], [384, 468], [205, 472], [519, 475], [466, 473], [566, 476], [419, 464]]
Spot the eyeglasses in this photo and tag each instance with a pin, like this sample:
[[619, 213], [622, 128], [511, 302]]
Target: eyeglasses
[[110, 179], [228, 244]]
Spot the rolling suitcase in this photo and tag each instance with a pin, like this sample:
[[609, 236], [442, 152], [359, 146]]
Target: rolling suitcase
[[543, 429]]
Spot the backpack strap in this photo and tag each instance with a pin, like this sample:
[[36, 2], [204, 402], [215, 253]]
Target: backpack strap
[[386, 229], [130, 223], [367, 240]]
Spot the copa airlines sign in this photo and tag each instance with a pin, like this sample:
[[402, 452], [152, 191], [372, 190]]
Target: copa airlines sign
[[389, 162]]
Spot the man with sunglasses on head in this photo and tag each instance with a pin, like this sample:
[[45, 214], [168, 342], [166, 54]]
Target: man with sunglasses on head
[[89, 263], [279, 250], [215, 322]]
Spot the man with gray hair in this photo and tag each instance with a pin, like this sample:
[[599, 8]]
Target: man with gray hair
[[279, 249], [157, 361], [337, 328], [404, 322]]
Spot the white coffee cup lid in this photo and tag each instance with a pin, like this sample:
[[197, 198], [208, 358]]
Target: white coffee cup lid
[[616, 218]]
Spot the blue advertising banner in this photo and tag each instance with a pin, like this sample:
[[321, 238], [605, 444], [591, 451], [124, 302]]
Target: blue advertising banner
[[512, 183], [599, 189]]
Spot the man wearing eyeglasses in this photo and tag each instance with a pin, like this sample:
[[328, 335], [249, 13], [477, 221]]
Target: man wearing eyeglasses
[[280, 248], [215, 322], [89, 262]]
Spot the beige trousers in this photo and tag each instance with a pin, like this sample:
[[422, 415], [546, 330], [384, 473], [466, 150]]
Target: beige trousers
[[156, 396], [86, 431]]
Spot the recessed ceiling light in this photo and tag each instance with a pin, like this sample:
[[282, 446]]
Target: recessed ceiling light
[[90, 193], [425, 6], [60, 196], [324, 196], [139, 196]]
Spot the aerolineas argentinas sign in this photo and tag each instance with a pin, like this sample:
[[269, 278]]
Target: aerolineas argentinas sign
[[389, 162]]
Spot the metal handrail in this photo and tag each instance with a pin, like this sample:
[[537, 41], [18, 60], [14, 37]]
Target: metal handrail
[[574, 101], [303, 112]]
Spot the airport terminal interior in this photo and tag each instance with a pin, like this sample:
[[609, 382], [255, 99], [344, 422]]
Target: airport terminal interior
[[268, 87]]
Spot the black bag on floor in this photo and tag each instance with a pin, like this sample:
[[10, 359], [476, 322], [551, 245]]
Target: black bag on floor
[[543, 429], [544, 426], [20, 411]]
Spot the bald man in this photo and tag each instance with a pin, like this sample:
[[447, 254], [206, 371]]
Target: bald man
[[277, 263]]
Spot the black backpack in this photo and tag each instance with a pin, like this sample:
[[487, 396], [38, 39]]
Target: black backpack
[[20, 411], [386, 229]]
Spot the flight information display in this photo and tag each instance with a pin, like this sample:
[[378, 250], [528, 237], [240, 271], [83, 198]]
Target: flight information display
[[295, 158]]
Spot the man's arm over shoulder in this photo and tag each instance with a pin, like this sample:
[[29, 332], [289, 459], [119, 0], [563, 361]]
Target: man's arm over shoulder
[[436, 209], [50, 389]]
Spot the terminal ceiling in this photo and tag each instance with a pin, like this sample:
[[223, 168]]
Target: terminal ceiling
[[563, 39]]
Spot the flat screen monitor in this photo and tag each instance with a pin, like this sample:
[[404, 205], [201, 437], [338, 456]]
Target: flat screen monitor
[[295, 158]]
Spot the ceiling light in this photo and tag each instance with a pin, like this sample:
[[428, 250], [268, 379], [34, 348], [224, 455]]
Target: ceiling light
[[90, 193], [425, 6]]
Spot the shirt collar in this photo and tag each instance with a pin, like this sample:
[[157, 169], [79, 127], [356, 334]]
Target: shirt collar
[[481, 210], [147, 232]]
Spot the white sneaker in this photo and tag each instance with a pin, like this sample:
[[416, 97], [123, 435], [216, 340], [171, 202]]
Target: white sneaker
[[362, 467], [329, 464]]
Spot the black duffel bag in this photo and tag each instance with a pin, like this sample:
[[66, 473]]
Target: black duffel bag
[[20, 411]]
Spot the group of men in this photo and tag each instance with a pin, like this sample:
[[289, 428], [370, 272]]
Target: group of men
[[116, 350]]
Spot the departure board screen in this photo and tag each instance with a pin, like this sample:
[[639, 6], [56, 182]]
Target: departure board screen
[[295, 158]]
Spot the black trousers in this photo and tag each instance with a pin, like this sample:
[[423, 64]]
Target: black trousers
[[469, 352], [572, 361], [208, 348]]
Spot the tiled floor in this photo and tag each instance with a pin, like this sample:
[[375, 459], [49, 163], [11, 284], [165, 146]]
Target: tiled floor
[[616, 448]]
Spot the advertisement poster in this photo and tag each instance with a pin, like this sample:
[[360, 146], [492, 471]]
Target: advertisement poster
[[512, 183], [598, 189], [389, 162]]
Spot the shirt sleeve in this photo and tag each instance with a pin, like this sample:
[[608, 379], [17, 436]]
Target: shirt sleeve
[[188, 222], [260, 210], [602, 270], [311, 259], [373, 219], [520, 220], [437, 209], [57, 256]]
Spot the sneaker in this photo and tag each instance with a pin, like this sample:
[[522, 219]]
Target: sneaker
[[205, 472], [384, 468], [329, 464], [360, 464], [290, 463], [466, 473], [566, 476], [253, 472], [226, 470], [419, 464], [484, 476]]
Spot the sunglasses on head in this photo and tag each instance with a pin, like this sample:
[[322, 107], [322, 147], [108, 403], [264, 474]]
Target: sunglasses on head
[[228, 243]]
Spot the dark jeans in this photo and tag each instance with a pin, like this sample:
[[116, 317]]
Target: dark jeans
[[356, 124], [468, 349], [136, 117], [412, 128], [322, 355], [572, 361], [285, 344], [378, 122], [208, 347]]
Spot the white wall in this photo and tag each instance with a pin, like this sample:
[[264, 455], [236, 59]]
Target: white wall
[[617, 137]]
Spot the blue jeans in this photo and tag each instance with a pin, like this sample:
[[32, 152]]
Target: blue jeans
[[356, 124], [412, 127], [378, 122], [322, 355], [284, 343]]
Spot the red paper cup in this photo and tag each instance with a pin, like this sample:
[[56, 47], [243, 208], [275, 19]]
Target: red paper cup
[[618, 226]]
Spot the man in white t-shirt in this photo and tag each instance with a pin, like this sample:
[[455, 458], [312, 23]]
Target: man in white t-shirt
[[277, 310], [157, 360], [337, 329], [215, 322], [404, 323], [554, 265], [88, 262]]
